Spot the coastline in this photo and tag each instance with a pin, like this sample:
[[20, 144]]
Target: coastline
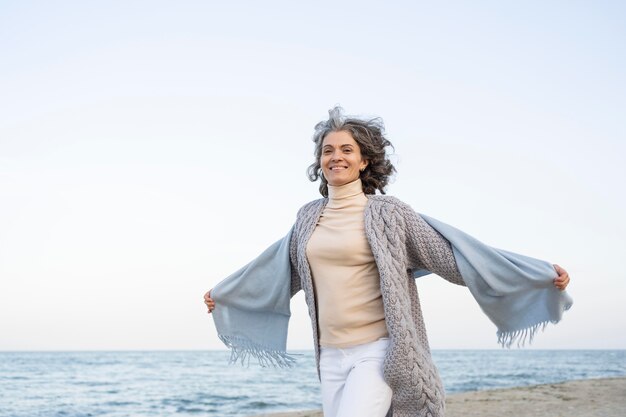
[[605, 397]]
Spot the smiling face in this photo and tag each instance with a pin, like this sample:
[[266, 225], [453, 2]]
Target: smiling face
[[341, 158]]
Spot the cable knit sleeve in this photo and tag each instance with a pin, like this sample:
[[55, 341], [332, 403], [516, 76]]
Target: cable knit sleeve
[[296, 284], [427, 249]]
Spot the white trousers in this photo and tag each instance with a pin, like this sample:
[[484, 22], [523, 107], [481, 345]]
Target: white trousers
[[352, 380]]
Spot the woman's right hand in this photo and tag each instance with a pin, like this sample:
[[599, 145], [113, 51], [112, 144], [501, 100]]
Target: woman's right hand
[[210, 303]]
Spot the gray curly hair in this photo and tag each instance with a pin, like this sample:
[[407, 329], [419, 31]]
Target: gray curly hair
[[369, 134]]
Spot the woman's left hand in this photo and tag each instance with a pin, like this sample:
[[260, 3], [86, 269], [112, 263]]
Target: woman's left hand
[[563, 279]]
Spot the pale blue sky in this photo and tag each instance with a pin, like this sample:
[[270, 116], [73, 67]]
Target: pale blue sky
[[148, 149]]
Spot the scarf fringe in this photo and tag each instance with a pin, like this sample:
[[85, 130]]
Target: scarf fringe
[[506, 339], [242, 350], [521, 337]]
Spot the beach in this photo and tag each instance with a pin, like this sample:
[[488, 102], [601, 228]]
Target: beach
[[605, 397]]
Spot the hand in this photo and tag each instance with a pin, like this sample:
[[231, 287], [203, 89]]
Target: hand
[[210, 303], [563, 279]]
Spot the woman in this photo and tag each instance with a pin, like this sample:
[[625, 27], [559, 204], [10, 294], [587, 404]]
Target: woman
[[355, 254]]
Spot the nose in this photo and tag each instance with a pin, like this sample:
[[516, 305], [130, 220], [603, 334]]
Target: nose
[[336, 156]]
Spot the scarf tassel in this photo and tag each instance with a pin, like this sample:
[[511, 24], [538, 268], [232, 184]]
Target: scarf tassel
[[508, 338], [242, 350], [521, 337]]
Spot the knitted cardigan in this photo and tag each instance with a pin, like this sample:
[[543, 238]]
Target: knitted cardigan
[[401, 242], [516, 293]]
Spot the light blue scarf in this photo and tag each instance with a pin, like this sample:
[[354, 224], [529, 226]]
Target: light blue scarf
[[516, 292]]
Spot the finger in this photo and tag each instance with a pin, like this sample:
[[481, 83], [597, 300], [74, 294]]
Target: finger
[[562, 284], [210, 303], [560, 271]]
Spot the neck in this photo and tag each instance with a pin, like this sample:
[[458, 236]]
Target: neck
[[340, 192]]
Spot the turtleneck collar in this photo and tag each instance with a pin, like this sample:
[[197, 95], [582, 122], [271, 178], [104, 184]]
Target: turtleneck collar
[[350, 189]]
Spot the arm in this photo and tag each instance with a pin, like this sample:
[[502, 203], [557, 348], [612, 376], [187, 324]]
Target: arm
[[427, 249], [465, 245], [263, 280], [515, 291]]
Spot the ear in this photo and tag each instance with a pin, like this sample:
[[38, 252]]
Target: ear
[[364, 165]]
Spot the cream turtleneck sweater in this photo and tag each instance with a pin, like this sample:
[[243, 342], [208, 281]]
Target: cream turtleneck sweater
[[345, 276]]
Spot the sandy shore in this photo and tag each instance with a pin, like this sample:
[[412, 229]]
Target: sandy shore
[[591, 397]]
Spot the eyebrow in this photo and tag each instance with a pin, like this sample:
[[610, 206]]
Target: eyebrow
[[345, 144]]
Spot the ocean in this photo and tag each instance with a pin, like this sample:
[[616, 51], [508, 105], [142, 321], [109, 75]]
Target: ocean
[[201, 383]]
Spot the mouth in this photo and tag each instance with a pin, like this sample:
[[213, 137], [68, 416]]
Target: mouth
[[338, 168]]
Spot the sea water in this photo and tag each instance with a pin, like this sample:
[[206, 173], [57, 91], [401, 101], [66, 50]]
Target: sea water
[[201, 383]]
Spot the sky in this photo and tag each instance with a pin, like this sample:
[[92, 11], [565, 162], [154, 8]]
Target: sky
[[148, 149]]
